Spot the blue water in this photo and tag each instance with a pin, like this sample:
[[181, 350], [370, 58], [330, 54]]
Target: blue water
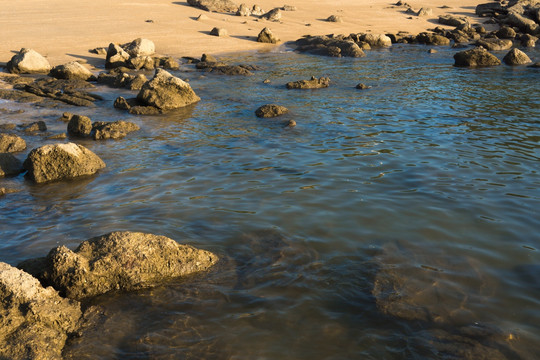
[[431, 173]]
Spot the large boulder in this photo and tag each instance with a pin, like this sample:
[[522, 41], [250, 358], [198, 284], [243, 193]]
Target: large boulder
[[118, 261], [313, 83], [139, 47], [72, 70], [167, 92], [224, 6], [34, 321], [11, 143], [271, 110], [9, 165], [61, 161], [272, 15], [28, 61], [267, 36], [476, 57], [516, 57], [79, 126]]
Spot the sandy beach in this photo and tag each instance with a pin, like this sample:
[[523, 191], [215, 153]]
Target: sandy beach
[[63, 31]]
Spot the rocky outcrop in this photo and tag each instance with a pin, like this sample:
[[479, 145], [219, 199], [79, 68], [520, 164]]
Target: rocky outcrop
[[222, 6], [63, 90], [452, 20], [217, 67], [9, 165], [61, 162], [272, 15], [118, 261], [329, 46], [271, 110], [493, 44], [35, 322], [28, 61], [102, 130], [516, 57], [267, 36], [11, 143], [476, 57], [72, 70], [313, 83]]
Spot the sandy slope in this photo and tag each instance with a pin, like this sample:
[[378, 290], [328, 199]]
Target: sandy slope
[[64, 30]]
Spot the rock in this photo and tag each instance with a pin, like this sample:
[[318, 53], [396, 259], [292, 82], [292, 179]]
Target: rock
[[493, 44], [166, 92], [72, 70], [528, 40], [34, 126], [271, 110], [425, 12], [377, 40], [60, 162], [28, 61], [506, 32], [60, 136], [451, 20], [272, 15], [524, 24], [9, 165], [19, 96], [98, 51], [116, 57], [334, 18], [139, 47], [120, 261], [208, 58], [291, 123], [79, 126], [267, 36], [166, 62], [224, 69], [432, 51], [256, 10], [63, 90], [476, 57], [243, 10], [11, 143], [313, 83], [224, 6], [102, 130], [516, 57], [34, 321], [432, 39], [326, 46], [144, 110], [202, 17], [118, 79], [288, 8], [121, 103], [219, 32], [362, 86], [492, 9], [141, 62]]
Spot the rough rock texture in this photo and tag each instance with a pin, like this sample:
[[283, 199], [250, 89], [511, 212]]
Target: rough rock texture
[[224, 6], [63, 90], [116, 57], [476, 57], [313, 83], [272, 15], [61, 161], [506, 32], [493, 44], [526, 25], [334, 18], [271, 110], [328, 46], [141, 62], [243, 10], [34, 321], [377, 40], [72, 70], [256, 10], [118, 79], [432, 39], [9, 165], [516, 57], [28, 61], [166, 62], [452, 20], [528, 40], [11, 143], [119, 261], [267, 36], [223, 68], [166, 92], [80, 126], [139, 47], [33, 126], [102, 130], [219, 32]]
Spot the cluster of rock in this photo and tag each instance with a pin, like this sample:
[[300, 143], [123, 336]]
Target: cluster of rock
[[208, 63], [352, 45], [36, 321], [82, 127]]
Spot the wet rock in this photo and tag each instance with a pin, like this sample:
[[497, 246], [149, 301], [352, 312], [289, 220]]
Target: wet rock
[[224, 6], [28, 61], [34, 321], [11, 143], [118, 79], [326, 46], [60, 162], [243, 10], [120, 261], [166, 92], [377, 40], [224, 69], [506, 32], [79, 126], [526, 25], [528, 40], [493, 44], [334, 18], [144, 110], [475, 57], [116, 57], [166, 62], [267, 36], [63, 90], [34, 126], [452, 20], [9, 165], [516, 57], [72, 70], [362, 86], [102, 130], [219, 32], [19, 96], [432, 39], [313, 83], [141, 63], [122, 104], [492, 9], [271, 110], [272, 15], [139, 48]]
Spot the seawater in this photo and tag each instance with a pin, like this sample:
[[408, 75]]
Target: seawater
[[433, 172]]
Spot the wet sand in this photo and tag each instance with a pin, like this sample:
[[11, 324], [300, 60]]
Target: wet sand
[[63, 31]]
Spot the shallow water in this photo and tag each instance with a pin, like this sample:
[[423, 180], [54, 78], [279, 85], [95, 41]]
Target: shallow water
[[432, 174]]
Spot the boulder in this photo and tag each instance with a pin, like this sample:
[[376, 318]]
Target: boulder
[[11, 143], [166, 92], [267, 36], [219, 32], [432, 39], [516, 57], [362, 86], [494, 44], [139, 47], [528, 40], [506, 32], [60, 162], [521, 22], [28, 61], [9, 165], [243, 10], [34, 321], [271, 110], [118, 261], [377, 40], [272, 15], [313, 83], [102, 130], [116, 57], [223, 6], [425, 12], [476, 57], [256, 10], [166, 62], [141, 62], [72, 70], [79, 126], [452, 20], [334, 18], [327, 46]]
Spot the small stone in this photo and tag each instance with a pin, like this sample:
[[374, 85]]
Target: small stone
[[432, 51], [9, 165], [291, 123], [362, 86]]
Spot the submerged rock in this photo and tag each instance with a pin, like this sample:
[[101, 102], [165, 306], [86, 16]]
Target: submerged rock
[[118, 261], [11, 143], [72, 70], [63, 90], [166, 92], [313, 83], [267, 36], [516, 57], [60, 162], [476, 57], [28, 61], [271, 110], [34, 321]]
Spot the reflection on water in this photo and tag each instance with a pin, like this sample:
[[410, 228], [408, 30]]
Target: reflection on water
[[398, 221]]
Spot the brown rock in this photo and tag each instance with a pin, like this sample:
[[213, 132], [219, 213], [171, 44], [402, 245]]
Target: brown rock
[[9, 165], [271, 110], [313, 83], [516, 57], [475, 57], [11, 143], [166, 92]]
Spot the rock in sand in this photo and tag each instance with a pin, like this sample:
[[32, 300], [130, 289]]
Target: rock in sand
[[72, 70], [28, 61], [267, 36]]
